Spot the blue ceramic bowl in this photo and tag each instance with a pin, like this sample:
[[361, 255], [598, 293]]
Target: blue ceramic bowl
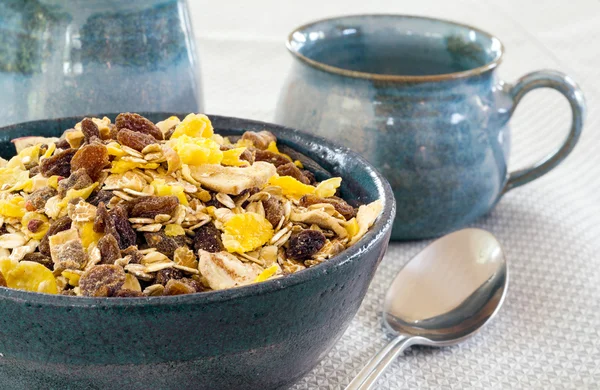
[[263, 336]]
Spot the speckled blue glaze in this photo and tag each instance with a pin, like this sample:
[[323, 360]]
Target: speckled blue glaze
[[263, 336], [73, 57], [420, 99]]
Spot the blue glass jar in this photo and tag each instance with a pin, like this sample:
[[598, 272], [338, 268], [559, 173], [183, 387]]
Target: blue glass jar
[[76, 57]]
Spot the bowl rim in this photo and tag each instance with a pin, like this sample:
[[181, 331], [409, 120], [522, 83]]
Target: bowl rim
[[397, 78], [380, 230]]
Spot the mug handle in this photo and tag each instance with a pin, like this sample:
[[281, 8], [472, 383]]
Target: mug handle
[[570, 90]]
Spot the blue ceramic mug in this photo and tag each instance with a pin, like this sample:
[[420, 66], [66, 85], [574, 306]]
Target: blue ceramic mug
[[420, 99]]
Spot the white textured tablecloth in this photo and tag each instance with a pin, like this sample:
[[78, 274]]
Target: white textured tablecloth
[[547, 335]]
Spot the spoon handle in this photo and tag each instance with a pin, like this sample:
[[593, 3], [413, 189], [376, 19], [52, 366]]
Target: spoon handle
[[378, 363]]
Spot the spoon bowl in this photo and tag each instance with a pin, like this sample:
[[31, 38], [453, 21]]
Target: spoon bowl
[[441, 297]]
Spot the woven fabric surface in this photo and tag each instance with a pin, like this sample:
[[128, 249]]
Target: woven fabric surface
[[547, 335]]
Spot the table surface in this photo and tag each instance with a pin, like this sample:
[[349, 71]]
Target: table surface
[[547, 334]]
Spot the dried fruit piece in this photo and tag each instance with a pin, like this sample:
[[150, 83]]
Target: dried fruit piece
[[37, 199], [164, 275], [138, 123], [291, 187], [121, 228], [35, 225], [328, 187], [208, 238], [2, 281], [30, 276], [164, 189], [290, 169], [176, 287], [100, 196], [93, 158], [233, 180], [365, 217], [163, 243], [261, 139], [59, 225], [59, 164], [79, 179], [273, 210], [89, 129], [246, 232], [37, 257], [340, 205], [303, 245], [102, 280], [173, 230], [109, 249], [67, 251], [134, 139], [194, 125], [223, 270], [267, 273], [151, 206], [270, 157]]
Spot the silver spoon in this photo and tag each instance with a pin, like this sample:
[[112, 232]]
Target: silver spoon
[[441, 297]]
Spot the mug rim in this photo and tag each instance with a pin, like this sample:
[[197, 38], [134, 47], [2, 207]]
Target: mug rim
[[487, 67]]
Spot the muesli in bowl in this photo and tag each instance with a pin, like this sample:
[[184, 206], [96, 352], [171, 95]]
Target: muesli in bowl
[[136, 209]]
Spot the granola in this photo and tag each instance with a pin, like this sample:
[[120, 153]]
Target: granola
[[136, 209]]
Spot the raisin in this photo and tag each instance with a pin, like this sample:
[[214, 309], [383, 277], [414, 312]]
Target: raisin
[[79, 179], [38, 198], [151, 206], [3, 230], [102, 280], [123, 231], [61, 224], [163, 243], [303, 245], [101, 218], [113, 132], [34, 171], [59, 164], [62, 144], [100, 196], [270, 157], [273, 210], [39, 258], [135, 140], [109, 249], [2, 281], [260, 140], [138, 123], [339, 204], [34, 225], [89, 129], [177, 287], [208, 238], [116, 223], [125, 293], [290, 169], [93, 158], [310, 176], [136, 256], [164, 275]]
